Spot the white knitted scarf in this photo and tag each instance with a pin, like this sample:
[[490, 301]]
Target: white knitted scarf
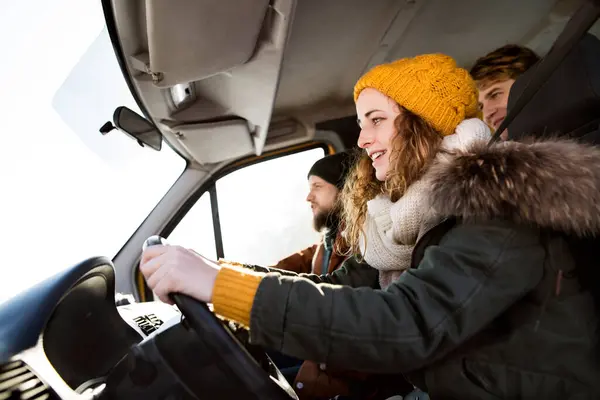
[[392, 229]]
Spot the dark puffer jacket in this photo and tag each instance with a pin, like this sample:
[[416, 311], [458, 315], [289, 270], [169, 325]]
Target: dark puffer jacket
[[492, 308], [500, 300]]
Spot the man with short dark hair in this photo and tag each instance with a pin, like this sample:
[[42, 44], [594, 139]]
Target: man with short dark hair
[[494, 74]]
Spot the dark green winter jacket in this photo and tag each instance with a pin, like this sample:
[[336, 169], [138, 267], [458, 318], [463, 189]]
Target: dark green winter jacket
[[493, 306]]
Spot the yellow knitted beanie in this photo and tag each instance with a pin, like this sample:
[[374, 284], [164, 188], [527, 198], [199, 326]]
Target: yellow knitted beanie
[[431, 86]]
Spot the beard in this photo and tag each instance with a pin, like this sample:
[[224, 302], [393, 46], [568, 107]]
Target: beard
[[325, 220]]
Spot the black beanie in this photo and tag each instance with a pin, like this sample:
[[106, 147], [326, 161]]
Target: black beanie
[[332, 169]]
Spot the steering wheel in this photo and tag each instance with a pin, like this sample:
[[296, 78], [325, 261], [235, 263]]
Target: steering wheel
[[250, 364]]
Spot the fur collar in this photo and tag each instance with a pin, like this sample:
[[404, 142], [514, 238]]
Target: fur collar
[[553, 184]]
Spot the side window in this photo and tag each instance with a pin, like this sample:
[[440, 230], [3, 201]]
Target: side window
[[263, 210], [196, 230]]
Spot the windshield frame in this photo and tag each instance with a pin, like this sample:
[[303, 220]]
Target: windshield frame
[[111, 28]]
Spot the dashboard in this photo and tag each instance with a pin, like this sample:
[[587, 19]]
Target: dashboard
[[62, 338], [67, 338]]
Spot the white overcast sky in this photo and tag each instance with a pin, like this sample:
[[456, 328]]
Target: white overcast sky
[[67, 193]]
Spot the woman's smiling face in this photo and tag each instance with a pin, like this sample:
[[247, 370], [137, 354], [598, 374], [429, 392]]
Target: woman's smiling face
[[376, 117]]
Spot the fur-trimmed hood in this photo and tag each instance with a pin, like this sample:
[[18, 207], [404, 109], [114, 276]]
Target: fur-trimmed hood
[[553, 184], [550, 182]]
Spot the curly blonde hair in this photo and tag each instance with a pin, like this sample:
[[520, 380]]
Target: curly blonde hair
[[414, 147]]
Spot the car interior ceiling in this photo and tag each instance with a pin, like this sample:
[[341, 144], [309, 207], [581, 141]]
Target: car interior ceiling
[[323, 56], [328, 45]]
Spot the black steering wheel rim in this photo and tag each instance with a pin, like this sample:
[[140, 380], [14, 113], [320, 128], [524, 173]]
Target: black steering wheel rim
[[269, 384], [213, 331]]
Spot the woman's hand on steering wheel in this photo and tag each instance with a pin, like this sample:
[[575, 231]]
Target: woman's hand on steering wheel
[[174, 269]]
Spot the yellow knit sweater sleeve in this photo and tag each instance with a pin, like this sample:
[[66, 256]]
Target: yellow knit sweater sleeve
[[234, 291]]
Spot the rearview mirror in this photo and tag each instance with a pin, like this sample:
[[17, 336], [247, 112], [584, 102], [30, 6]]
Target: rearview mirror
[[137, 127]]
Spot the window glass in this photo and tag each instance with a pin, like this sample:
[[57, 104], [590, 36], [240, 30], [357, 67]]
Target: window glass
[[263, 209], [195, 230], [68, 192]]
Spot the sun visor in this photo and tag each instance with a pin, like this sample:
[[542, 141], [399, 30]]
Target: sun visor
[[186, 40], [217, 141]]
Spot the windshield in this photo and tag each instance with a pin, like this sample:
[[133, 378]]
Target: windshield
[[68, 193]]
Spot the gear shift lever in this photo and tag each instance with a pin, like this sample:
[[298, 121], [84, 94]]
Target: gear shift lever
[[153, 241], [158, 240]]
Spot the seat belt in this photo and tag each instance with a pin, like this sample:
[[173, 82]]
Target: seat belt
[[578, 25]]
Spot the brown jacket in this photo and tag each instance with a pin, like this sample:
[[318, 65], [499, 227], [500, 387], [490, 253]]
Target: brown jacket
[[310, 261]]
